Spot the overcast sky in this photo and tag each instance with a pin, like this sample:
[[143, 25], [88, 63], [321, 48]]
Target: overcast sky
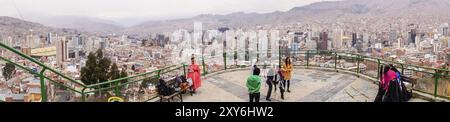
[[151, 9]]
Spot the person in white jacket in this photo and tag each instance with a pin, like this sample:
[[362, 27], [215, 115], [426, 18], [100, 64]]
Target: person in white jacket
[[270, 81]]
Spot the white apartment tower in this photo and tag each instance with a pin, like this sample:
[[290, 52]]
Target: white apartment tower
[[337, 41], [197, 35]]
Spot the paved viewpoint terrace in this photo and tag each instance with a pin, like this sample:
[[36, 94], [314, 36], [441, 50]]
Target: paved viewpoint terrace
[[307, 85]]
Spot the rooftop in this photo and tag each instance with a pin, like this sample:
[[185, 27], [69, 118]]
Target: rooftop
[[47, 51]]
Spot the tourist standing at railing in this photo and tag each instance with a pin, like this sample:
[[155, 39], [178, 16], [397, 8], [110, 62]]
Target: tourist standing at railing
[[254, 85], [280, 79], [270, 77], [194, 74], [287, 72]]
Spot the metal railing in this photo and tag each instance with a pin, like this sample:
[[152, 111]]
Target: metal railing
[[429, 80]]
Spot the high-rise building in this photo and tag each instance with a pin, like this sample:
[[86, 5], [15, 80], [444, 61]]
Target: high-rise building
[[29, 40], [49, 38], [312, 44], [197, 35], [447, 41], [263, 44], [418, 40], [354, 39], [444, 29], [323, 41], [42, 41], [61, 50], [337, 40], [10, 41], [296, 41], [274, 43], [412, 34]]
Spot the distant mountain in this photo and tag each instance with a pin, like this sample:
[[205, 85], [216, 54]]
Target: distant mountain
[[14, 26], [80, 23], [328, 10], [374, 11]]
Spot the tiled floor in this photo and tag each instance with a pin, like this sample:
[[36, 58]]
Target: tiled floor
[[307, 85]]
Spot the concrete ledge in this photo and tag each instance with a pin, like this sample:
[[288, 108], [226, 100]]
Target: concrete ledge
[[429, 97]]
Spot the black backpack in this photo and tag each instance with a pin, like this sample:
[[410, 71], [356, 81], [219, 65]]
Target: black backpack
[[163, 89], [393, 94]]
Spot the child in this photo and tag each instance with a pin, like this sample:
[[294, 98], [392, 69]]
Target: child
[[281, 83], [254, 85]]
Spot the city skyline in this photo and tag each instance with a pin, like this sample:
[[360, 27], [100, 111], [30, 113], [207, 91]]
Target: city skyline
[[357, 36]]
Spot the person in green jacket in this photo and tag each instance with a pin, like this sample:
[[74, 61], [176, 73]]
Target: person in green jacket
[[254, 85]]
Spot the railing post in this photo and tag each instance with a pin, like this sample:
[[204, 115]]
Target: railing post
[[357, 65], [403, 69], [159, 74], [43, 86], [225, 60], [184, 69], [378, 68], [83, 95], [204, 66], [279, 55], [235, 58], [307, 59], [335, 61], [436, 79], [116, 90]]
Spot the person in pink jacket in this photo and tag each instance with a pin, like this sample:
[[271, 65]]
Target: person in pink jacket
[[194, 74]]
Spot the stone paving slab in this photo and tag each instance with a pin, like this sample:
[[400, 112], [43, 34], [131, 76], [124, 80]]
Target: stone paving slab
[[307, 85]]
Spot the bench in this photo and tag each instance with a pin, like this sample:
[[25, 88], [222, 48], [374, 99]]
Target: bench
[[170, 97], [187, 89]]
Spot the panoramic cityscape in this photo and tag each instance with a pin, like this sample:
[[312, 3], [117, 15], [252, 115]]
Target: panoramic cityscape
[[337, 49]]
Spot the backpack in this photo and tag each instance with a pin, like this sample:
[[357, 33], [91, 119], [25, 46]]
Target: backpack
[[394, 92], [163, 89]]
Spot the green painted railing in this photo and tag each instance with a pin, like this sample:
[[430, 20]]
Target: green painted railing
[[44, 79], [211, 64]]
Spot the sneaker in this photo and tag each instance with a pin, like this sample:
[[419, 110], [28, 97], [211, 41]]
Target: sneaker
[[289, 91], [282, 97], [268, 99]]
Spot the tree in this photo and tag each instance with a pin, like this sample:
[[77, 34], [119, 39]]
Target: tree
[[102, 70], [87, 73], [123, 74], [8, 71], [115, 74], [96, 69]]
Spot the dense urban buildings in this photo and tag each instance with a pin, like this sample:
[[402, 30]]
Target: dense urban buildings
[[400, 39]]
